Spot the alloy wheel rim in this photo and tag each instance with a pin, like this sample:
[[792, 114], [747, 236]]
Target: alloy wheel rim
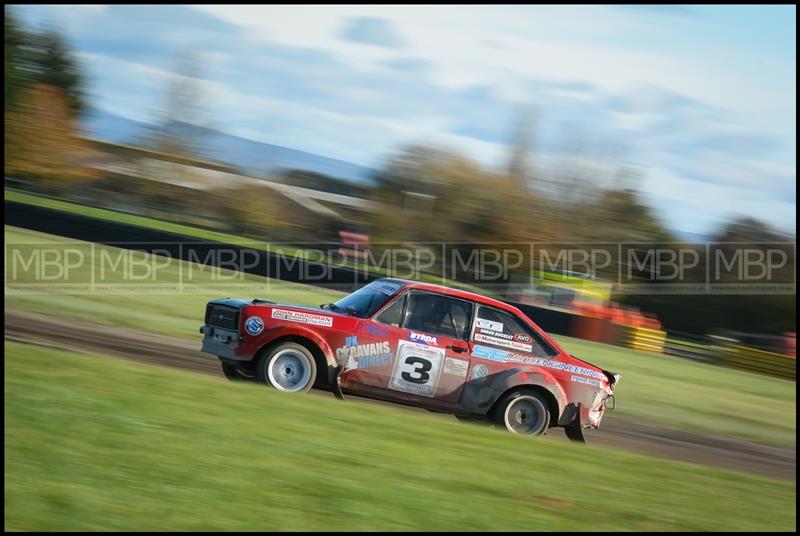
[[524, 416], [289, 370]]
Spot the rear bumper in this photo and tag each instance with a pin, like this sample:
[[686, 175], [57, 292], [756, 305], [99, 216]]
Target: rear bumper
[[221, 342]]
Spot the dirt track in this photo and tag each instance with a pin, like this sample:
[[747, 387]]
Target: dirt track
[[641, 437]]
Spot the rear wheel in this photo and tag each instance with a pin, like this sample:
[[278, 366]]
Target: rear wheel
[[236, 374], [288, 367], [523, 412]]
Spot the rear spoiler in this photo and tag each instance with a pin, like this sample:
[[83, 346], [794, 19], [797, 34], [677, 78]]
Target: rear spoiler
[[613, 377]]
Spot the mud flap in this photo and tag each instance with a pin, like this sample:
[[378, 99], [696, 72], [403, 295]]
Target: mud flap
[[574, 430], [333, 381]]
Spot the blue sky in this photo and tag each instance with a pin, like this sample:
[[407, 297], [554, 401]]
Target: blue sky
[[701, 99]]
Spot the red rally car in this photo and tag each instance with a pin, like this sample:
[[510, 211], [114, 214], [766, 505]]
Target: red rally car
[[430, 346]]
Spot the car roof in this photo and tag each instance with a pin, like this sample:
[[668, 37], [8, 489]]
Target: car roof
[[456, 293]]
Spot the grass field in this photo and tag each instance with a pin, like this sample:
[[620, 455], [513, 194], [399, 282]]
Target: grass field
[[95, 443], [697, 396], [656, 388], [169, 309]]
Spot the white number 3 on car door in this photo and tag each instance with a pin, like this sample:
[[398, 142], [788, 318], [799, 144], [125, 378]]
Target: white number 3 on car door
[[417, 368]]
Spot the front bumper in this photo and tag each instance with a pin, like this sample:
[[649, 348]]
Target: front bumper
[[221, 342]]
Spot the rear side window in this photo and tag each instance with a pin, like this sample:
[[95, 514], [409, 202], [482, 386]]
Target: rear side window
[[438, 315], [494, 327]]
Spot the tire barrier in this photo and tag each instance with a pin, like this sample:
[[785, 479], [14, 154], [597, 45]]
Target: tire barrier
[[643, 339], [696, 350], [760, 361], [593, 328]]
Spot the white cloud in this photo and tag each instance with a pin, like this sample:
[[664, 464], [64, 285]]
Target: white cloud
[[697, 207], [692, 116], [557, 43]]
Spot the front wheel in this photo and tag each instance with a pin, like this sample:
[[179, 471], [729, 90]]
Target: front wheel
[[236, 374], [523, 412], [288, 367]]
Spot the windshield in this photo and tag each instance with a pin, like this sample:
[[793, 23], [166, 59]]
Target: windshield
[[365, 301]]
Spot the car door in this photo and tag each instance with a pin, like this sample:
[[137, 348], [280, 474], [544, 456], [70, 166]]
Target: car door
[[432, 354], [368, 355], [415, 349], [498, 338]]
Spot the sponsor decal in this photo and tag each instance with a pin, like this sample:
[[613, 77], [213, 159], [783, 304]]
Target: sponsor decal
[[424, 339], [305, 318], [494, 354], [456, 367], [254, 325], [370, 361], [568, 368], [353, 355], [417, 368], [378, 330], [521, 337], [581, 379], [504, 343], [489, 324], [479, 372], [351, 341], [491, 333]]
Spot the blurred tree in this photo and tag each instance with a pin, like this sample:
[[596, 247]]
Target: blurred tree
[[448, 197], [44, 97], [249, 206], [619, 215], [41, 139], [463, 201], [752, 312], [748, 230], [15, 76], [53, 64]]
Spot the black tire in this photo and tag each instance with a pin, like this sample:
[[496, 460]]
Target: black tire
[[523, 412], [235, 374], [296, 373]]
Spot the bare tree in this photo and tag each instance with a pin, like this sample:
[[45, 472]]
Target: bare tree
[[519, 164], [182, 121]]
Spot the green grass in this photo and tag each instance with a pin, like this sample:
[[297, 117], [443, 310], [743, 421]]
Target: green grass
[[170, 310], [696, 396], [95, 443], [671, 391]]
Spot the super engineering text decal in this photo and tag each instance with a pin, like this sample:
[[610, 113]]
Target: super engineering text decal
[[494, 354]]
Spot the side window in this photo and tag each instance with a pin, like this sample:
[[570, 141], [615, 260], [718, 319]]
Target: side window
[[438, 315], [393, 314], [499, 328]]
